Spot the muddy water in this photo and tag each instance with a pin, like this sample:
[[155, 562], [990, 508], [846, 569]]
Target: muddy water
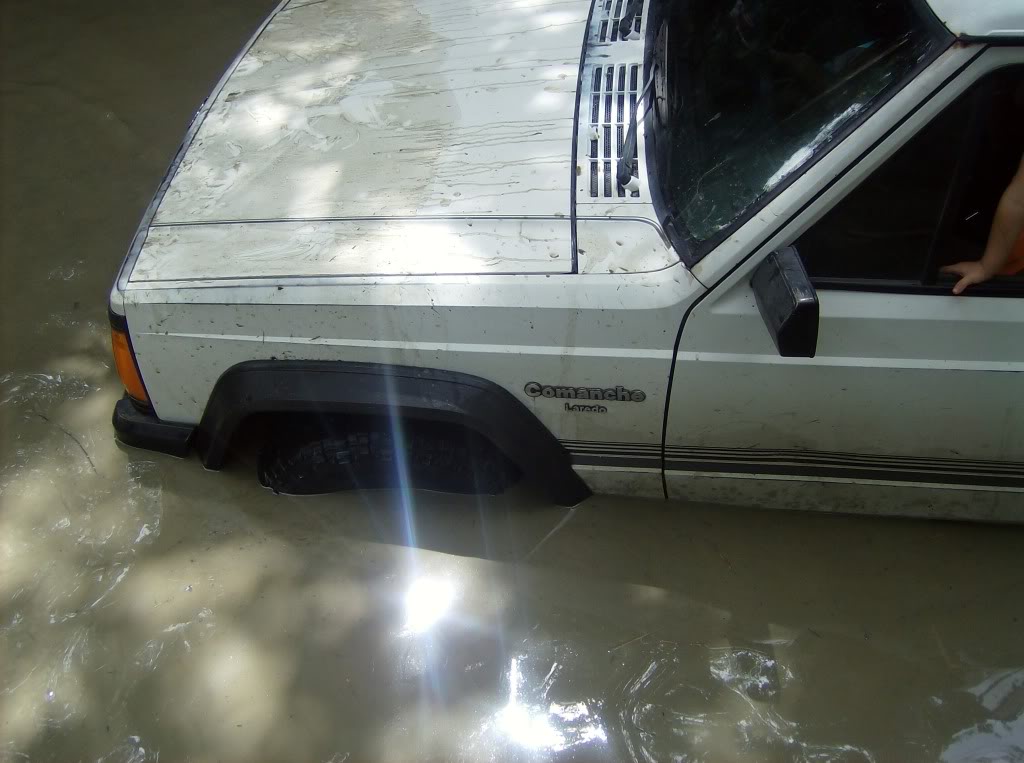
[[149, 609]]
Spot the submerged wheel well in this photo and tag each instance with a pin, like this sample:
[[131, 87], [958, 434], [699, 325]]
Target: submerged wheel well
[[309, 453], [332, 388]]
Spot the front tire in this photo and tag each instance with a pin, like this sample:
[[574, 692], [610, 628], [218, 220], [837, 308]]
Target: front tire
[[315, 457]]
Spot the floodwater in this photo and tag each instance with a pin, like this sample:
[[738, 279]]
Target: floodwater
[[149, 609]]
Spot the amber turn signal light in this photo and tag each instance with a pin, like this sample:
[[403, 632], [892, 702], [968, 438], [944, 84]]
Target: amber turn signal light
[[126, 368]]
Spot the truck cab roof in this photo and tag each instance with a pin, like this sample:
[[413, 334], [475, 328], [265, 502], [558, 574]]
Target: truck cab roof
[[981, 18]]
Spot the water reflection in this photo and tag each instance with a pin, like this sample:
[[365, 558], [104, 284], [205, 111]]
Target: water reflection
[[152, 598], [988, 742], [999, 688], [750, 672], [427, 601], [656, 701], [999, 738], [541, 725]]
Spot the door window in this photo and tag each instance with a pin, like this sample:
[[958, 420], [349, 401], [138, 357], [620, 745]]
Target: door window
[[931, 204]]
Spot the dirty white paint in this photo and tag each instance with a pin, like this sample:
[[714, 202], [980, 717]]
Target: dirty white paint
[[391, 184], [353, 248], [981, 18], [327, 249], [356, 108], [892, 371], [582, 330], [622, 246], [848, 496]]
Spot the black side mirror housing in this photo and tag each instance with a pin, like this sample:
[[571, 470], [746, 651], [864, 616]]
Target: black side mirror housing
[[788, 303]]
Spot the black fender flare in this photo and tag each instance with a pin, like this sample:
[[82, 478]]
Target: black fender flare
[[306, 386]]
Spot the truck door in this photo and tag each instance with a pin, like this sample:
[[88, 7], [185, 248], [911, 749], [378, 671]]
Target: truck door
[[908, 385]]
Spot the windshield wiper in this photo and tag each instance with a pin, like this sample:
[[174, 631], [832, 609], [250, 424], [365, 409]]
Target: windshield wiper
[[626, 22], [624, 169]]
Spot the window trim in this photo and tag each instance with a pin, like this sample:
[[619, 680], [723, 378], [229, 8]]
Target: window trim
[[1000, 286], [664, 208]]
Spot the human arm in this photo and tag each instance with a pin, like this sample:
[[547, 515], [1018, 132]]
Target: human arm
[[1007, 225]]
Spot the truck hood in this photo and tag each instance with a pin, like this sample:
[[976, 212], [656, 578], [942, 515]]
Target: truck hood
[[354, 109]]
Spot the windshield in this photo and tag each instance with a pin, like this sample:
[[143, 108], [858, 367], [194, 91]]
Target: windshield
[[752, 90]]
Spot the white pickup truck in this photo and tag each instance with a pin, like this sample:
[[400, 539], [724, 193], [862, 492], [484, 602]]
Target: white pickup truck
[[685, 249]]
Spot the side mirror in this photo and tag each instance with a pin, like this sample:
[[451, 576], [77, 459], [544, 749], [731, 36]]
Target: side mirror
[[788, 303]]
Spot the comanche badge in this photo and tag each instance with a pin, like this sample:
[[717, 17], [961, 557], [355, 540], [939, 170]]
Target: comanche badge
[[611, 394]]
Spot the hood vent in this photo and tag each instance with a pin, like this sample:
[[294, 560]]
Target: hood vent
[[613, 94], [609, 12]]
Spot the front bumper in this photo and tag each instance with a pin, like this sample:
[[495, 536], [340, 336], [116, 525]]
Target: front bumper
[[140, 429]]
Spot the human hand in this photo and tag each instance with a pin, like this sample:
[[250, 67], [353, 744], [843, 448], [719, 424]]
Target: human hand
[[970, 273]]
